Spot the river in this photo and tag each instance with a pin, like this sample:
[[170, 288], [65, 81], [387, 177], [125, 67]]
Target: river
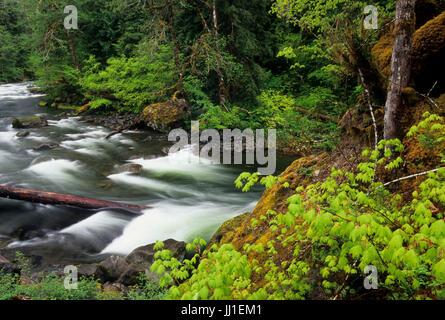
[[190, 198]]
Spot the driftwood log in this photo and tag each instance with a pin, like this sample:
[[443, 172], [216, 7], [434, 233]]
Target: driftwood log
[[64, 200]]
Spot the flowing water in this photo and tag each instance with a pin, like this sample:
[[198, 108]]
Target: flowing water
[[190, 197]]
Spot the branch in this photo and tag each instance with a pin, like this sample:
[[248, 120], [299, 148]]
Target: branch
[[408, 177], [371, 110]]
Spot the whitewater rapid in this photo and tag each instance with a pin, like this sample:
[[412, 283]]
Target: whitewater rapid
[[190, 197]]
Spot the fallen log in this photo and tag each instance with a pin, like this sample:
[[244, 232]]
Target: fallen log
[[64, 200]]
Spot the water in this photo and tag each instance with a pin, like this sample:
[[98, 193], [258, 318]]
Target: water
[[190, 198]]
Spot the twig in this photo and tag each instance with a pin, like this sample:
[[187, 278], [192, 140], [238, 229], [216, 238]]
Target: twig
[[368, 96], [344, 283], [374, 123], [427, 96], [408, 177]]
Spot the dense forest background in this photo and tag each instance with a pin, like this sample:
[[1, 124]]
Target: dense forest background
[[238, 63]]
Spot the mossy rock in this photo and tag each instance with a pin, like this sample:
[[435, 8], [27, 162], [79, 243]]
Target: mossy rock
[[66, 107], [275, 199], [29, 122], [428, 50], [382, 53], [226, 231], [165, 116]]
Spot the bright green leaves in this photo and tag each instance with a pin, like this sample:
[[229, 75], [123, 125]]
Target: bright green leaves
[[246, 181], [158, 245], [430, 132], [439, 271], [343, 224]]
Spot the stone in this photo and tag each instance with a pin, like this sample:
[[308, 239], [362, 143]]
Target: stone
[[45, 146], [131, 167], [22, 134], [114, 287], [130, 276], [165, 116], [111, 269], [30, 122], [144, 256], [7, 267], [87, 270]]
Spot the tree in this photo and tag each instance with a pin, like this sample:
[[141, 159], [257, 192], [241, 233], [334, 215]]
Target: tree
[[400, 64]]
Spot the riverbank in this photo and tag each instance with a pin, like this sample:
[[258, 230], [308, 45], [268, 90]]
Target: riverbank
[[190, 198]]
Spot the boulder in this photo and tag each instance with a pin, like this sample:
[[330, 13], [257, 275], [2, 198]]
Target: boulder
[[7, 267], [165, 116], [144, 256], [111, 269], [428, 50], [131, 167], [22, 134], [130, 276], [87, 270], [30, 122], [45, 146], [227, 230]]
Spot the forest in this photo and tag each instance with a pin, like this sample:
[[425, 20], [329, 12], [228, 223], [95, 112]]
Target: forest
[[355, 91]]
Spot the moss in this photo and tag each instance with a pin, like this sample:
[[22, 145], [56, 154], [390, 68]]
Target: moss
[[239, 231], [82, 109], [226, 231], [165, 115], [382, 53], [66, 107], [428, 50]]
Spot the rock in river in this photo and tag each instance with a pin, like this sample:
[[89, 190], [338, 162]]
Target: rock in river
[[130, 167], [22, 134], [45, 146], [30, 122]]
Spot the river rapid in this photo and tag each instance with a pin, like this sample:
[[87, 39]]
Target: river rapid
[[190, 197]]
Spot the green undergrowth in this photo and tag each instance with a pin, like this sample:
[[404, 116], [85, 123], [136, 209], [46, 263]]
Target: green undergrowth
[[28, 286], [336, 229]]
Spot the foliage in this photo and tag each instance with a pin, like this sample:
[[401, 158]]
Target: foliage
[[30, 286], [128, 84], [14, 42], [347, 222]]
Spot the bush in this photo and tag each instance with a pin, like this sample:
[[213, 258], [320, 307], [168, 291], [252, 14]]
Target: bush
[[335, 228], [129, 84]]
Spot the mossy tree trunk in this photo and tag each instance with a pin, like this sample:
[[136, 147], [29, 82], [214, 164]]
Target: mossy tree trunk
[[400, 64]]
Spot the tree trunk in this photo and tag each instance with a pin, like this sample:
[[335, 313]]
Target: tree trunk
[[65, 200], [400, 64], [223, 92], [71, 49], [176, 49]]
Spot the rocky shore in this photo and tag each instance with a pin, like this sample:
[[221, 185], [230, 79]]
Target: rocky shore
[[114, 272]]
